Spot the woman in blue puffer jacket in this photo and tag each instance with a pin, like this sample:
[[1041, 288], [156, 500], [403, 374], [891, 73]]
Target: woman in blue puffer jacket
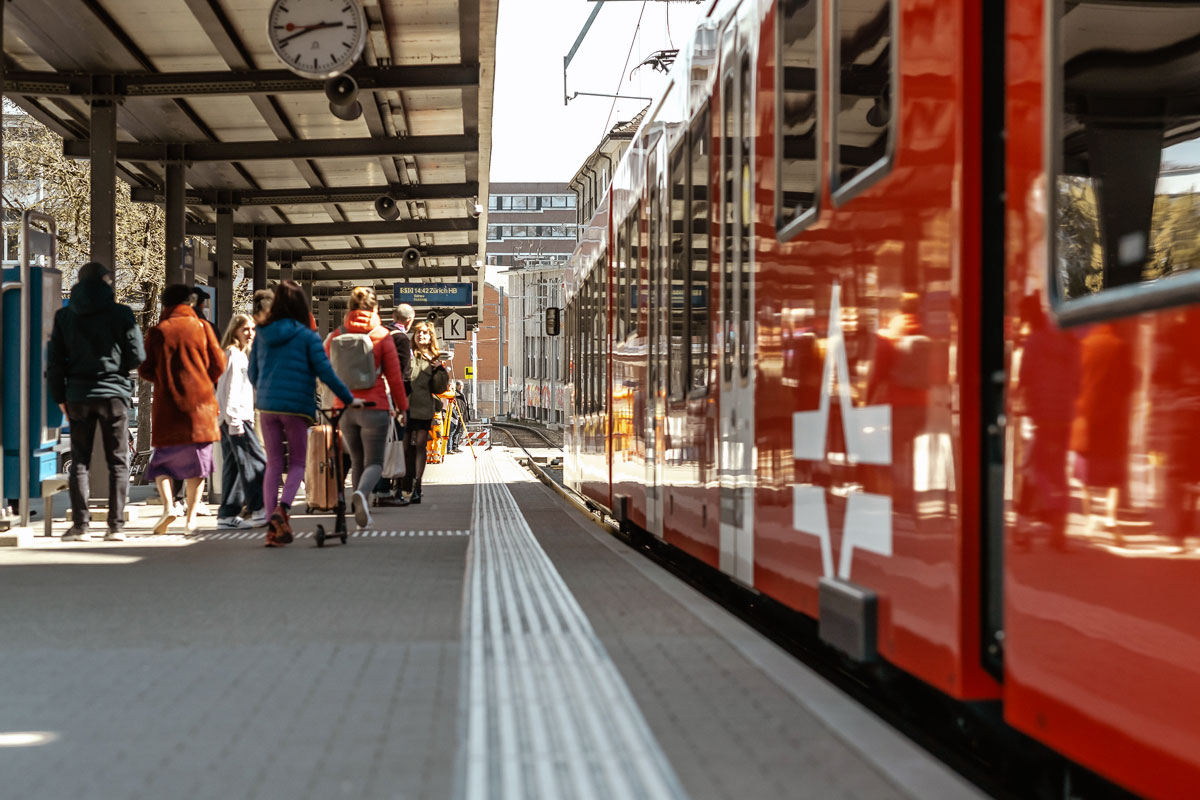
[[285, 362]]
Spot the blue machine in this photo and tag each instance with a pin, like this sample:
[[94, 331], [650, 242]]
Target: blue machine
[[44, 295]]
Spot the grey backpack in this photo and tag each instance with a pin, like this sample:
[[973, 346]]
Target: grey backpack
[[353, 359]]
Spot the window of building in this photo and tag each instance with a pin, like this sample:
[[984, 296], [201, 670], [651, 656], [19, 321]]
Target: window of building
[[865, 92], [1126, 188], [570, 201], [699, 335], [558, 201], [519, 230], [493, 202], [493, 232], [798, 130], [518, 202]]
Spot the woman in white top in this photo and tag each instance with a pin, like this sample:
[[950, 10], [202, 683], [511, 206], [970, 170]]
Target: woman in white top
[[242, 456]]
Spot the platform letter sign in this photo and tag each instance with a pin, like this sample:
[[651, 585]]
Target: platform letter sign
[[454, 327], [553, 318], [432, 295]]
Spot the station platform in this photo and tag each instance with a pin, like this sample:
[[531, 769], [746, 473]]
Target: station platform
[[492, 642]]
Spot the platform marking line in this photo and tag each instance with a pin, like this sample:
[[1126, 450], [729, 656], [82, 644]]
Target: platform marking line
[[547, 714], [218, 536]]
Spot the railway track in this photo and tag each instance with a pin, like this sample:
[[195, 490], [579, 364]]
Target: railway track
[[525, 437]]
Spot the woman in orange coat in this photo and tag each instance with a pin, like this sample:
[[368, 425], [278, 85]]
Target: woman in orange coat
[[183, 361]]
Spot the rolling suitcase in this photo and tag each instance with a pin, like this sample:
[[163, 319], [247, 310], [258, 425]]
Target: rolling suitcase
[[321, 471]]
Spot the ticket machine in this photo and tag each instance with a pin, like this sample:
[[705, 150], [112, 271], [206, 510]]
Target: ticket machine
[[29, 297]]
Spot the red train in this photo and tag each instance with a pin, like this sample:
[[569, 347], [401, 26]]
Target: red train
[[889, 314]]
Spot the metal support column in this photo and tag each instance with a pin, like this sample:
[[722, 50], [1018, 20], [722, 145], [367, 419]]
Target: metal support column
[[324, 326], [223, 280], [260, 263], [103, 153], [176, 220]]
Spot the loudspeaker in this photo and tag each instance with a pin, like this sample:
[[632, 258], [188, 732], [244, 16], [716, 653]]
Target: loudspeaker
[[411, 257], [342, 92], [386, 208]]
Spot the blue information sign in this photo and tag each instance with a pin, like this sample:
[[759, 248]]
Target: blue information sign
[[427, 295]]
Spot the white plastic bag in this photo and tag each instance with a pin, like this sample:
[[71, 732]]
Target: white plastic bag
[[393, 450]]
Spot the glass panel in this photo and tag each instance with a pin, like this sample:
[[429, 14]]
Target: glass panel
[[865, 98], [744, 200], [729, 172], [1127, 201], [518, 202], [798, 128], [699, 334]]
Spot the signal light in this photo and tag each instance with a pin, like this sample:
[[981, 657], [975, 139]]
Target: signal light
[[553, 321]]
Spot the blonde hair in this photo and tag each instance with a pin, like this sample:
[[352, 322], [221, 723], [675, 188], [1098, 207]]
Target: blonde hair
[[363, 298], [433, 349], [235, 325]]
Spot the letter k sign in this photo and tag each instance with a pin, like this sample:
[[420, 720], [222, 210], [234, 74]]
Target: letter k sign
[[868, 434]]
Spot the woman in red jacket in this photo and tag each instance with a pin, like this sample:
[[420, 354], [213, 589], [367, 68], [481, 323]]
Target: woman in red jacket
[[183, 361], [366, 428]]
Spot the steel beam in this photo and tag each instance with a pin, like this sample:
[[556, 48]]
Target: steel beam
[[224, 278], [335, 276], [373, 227], [457, 144], [315, 196], [102, 151], [260, 264], [362, 253], [238, 82], [176, 220]]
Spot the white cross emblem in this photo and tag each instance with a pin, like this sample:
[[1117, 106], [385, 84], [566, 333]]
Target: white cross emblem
[[868, 433]]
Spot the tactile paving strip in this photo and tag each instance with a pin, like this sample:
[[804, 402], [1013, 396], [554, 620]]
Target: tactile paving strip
[[259, 533], [547, 713]]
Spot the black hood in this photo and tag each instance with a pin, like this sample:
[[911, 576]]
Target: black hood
[[91, 297]]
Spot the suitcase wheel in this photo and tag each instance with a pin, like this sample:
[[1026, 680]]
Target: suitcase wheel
[[320, 537]]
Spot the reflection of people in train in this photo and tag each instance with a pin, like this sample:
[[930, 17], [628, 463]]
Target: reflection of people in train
[[901, 375], [1100, 433], [1047, 385], [1175, 420]]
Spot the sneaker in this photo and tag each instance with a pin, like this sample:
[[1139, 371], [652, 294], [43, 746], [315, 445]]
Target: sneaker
[[165, 521], [77, 535], [231, 523], [258, 518], [114, 536], [202, 509], [361, 509], [179, 510]]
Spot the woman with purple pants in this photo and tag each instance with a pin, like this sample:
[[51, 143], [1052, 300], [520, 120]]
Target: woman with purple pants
[[285, 362]]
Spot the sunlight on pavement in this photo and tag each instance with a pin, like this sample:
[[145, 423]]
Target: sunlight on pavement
[[27, 738]]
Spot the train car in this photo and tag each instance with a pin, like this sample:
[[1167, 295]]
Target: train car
[[888, 316]]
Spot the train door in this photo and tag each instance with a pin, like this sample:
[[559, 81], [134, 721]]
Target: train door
[[736, 420], [656, 353]]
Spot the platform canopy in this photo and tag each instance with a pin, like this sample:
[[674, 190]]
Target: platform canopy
[[199, 92]]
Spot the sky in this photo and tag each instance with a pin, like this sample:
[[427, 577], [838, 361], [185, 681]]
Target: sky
[[534, 136]]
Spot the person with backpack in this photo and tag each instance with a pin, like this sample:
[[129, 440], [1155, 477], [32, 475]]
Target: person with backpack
[[429, 378], [363, 355], [285, 362], [94, 346]]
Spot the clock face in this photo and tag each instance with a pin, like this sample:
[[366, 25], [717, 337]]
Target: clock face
[[317, 38]]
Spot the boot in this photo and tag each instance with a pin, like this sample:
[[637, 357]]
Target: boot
[[416, 492]]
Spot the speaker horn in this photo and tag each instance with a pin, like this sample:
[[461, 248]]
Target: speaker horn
[[411, 257], [386, 208], [342, 92]]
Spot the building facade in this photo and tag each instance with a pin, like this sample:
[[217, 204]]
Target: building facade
[[532, 229], [491, 357]]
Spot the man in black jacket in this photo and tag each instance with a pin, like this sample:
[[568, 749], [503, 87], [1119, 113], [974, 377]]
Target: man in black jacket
[[402, 320], [94, 346]]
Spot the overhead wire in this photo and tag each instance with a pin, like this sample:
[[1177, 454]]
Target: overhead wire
[[624, 67]]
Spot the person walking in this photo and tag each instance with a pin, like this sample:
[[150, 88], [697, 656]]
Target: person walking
[[461, 417], [422, 407], [389, 493], [94, 345], [243, 460], [362, 349], [260, 306], [285, 361], [183, 361]]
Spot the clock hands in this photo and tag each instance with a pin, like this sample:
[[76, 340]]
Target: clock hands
[[303, 29]]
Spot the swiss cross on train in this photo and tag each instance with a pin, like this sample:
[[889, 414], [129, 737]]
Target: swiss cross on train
[[868, 437]]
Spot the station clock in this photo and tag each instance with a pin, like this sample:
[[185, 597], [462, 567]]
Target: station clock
[[317, 38]]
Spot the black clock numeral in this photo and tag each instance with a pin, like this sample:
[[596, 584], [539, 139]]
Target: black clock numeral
[[314, 63], [346, 45]]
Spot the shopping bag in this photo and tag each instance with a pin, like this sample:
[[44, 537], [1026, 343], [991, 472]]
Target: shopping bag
[[393, 452]]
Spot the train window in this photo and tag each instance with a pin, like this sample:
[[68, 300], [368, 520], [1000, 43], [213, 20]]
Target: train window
[[677, 266], [728, 171], [798, 131], [699, 335], [635, 261], [620, 264], [866, 93], [745, 202], [1126, 188]]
